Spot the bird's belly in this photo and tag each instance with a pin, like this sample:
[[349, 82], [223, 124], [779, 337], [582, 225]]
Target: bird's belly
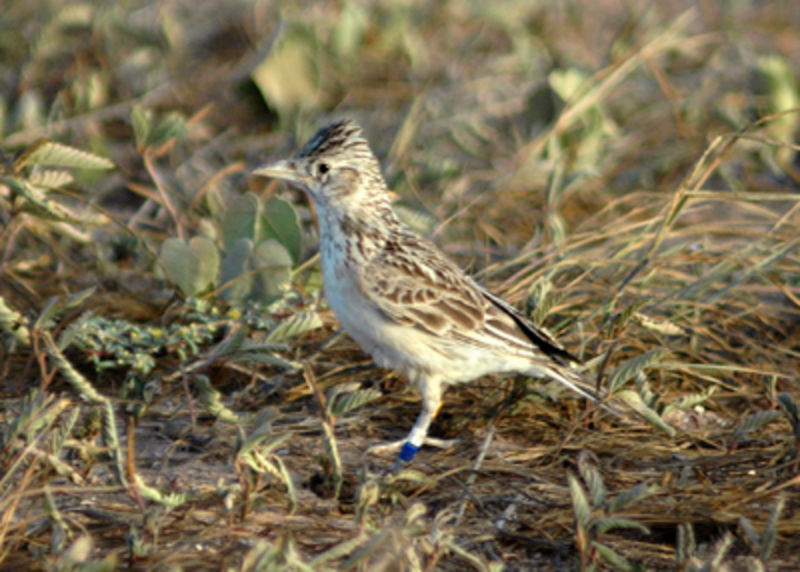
[[409, 350]]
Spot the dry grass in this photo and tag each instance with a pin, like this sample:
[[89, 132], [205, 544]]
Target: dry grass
[[627, 173]]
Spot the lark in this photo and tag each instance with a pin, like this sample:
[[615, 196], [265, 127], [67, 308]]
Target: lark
[[403, 300]]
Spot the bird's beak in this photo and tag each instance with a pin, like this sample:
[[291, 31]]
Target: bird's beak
[[284, 170]]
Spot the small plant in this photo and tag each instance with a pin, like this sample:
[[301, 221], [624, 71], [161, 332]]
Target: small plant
[[260, 245], [339, 401], [32, 188], [597, 513], [688, 558], [256, 455]]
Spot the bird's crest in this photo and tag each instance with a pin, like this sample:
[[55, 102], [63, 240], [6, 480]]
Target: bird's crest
[[342, 137]]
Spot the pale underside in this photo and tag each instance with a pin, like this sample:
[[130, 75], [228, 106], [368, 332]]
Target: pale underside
[[413, 310]]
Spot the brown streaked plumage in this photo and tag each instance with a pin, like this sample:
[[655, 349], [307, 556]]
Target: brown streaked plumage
[[409, 306]]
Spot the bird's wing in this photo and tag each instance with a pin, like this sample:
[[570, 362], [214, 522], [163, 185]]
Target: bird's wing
[[536, 336], [414, 284]]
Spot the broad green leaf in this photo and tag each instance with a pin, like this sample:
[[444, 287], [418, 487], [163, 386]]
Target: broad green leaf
[[207, 256], [191, 266], [241, 220], [273, 265], [236, 270], [180, 265], [50, 154], [280, 221]]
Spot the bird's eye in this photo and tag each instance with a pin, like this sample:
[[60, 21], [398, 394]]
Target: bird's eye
[[323, 168]]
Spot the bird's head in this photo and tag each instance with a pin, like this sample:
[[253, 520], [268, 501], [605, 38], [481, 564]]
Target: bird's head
[[336, 168]]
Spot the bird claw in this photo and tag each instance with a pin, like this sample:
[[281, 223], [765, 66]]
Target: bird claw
[[407, 450]]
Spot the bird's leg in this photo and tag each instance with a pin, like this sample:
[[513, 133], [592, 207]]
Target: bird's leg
[[431, 390]]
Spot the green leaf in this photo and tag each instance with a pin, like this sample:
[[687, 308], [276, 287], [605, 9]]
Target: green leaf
[[754, 422], [12, 322], [580, 504], [592, 477], [616, 560], [51, 309], [236, 270], [603, 525], [241, 220], [141, 120], [172, 126], [568, 83], [207, 256], [635, 401], [36, 201], [631, 496], [689, 401], [50, 178], [212, 400], [281, 222], [273, 264], [56, 306], [50, 154], [350, 401], [630, 368], [294, 326], [191, 266], [770, 535], [180, 265], [76, 300]]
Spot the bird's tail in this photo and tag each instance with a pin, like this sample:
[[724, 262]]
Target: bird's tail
[[580, 384]]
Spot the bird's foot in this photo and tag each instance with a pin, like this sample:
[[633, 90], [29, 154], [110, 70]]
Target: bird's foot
[[407, 450]]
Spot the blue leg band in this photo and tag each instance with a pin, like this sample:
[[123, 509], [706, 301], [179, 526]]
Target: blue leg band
[[407, 452]]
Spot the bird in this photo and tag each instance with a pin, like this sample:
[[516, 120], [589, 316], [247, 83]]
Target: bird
[[408, 305]]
